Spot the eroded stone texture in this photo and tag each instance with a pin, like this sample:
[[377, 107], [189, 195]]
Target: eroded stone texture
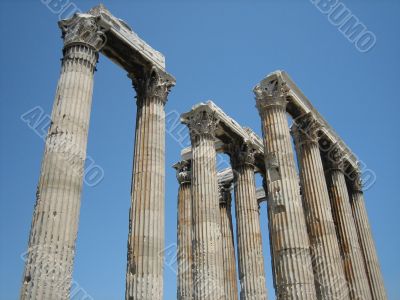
[[269, 212], [366, 240], [299, 104], [250, 256], [228, 248], [144, 278], [294, 273], [346, 230], [329, 276], [184, 236], [207, 242], [49, 260]]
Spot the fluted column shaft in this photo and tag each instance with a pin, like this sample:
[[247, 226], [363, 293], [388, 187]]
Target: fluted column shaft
[[269, 214], [326, 259], [348, 241], [294, 274], [250, 256], [366, 241], [48, 270], [207, 242], [228, 248], [144, 278], [185, 260]]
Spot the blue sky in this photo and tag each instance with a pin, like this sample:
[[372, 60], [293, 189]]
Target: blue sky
[[216, 50]]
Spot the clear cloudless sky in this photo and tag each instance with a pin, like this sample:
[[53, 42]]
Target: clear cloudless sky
[[216, 50]]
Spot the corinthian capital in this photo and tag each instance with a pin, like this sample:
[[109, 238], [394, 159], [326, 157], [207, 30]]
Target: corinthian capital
[[83, 29], [152, 84], [357, 183], [306, 129], [201, 122], [271, 91], [225, 196], [241, 154], [183, 171], [335, 159]]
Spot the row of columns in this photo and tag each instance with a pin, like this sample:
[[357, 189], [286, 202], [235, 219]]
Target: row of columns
[[321, 243], [322, 246], [329, 277], [250, 258], [318, 250], [49, 259], [213, 265]]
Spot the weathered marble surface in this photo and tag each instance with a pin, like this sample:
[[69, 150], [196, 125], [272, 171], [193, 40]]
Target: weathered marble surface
[[49, 261], [228, 247], [249, 239], [290, 241], [184, 231], [208, 276], [353, 262], [366, 240], [330, 280]]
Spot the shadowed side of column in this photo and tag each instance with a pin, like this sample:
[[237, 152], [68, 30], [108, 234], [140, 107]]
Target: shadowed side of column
[[184, 235], [354, 268], [329, 275], [366, 240], [228, 247]]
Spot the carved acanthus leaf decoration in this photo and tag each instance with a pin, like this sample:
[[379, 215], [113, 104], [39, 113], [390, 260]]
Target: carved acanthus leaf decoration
[[202, 123], [83, 29], [336, 159], [357, 183], [271, 92], [224, 191], [154, 83], [241, 154], [306, 129], [184, 171]]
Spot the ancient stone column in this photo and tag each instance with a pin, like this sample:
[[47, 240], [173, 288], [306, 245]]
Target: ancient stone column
[[228, 248], [185, 282], [329, 276], [366, 240], [250, 256], [346, 230], [144, 278], [269, 213], [294, 273], [208, 278], [50, 256]]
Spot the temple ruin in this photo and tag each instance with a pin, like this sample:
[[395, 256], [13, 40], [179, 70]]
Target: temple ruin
[[320, 238]]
